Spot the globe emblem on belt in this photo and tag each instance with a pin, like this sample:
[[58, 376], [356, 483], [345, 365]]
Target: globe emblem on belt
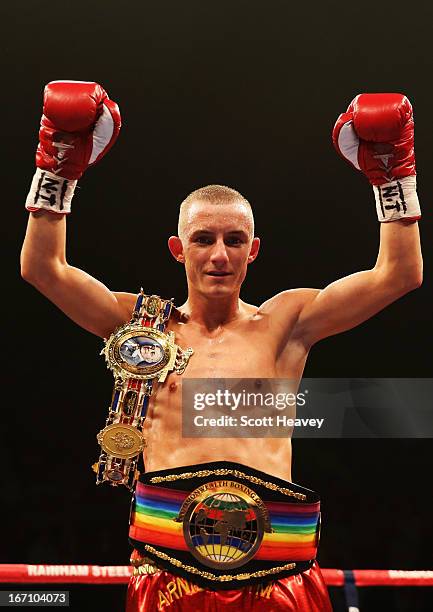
[[224, 528]]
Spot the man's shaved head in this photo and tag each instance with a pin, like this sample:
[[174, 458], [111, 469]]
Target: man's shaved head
[[212, 194]]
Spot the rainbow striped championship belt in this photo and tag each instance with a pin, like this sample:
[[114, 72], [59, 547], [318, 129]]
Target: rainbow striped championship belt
[[224, 525]]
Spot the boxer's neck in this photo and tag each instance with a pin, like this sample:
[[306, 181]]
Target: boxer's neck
[[211, 312]]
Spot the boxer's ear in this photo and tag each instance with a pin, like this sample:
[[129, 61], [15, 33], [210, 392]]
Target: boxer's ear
[[176, 248], [255, 246]]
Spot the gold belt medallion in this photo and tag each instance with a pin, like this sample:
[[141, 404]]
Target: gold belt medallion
[[121, 440], [144, 353], [223, 524]]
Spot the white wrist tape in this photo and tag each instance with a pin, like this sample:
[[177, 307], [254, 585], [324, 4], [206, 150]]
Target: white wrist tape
[[50, 192], [397, 200]]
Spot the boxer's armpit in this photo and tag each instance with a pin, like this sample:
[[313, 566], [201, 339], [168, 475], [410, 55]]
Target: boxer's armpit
[[284, 311], [126, 302]]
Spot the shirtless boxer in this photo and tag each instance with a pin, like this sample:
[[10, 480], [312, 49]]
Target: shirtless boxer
[[215, 244]]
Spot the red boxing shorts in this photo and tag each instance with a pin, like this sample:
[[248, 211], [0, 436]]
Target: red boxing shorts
[[161, 591]]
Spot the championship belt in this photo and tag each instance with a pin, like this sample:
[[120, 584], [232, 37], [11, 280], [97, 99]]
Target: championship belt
[[223, 525], [139, 354]]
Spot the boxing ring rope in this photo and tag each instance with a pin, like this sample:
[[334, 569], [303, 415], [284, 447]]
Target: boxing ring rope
[[349, 580], [119, 574]]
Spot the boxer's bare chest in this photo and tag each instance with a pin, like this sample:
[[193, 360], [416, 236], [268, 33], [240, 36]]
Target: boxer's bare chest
[[246, 348], [236, 350]]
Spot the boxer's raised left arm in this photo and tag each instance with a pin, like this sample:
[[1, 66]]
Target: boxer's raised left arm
[[376, 135], [349, 301]]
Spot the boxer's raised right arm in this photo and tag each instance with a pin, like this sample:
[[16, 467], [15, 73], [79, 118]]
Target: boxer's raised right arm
[[78, 126], [85, 300]]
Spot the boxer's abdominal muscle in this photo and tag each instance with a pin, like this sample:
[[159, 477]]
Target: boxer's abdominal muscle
[[242, 350]]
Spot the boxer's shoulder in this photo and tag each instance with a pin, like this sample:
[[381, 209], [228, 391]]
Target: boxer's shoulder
[[289, 302], [126, 304]]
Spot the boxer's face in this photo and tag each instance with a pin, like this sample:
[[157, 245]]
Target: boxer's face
[[217, 247], [146, 351], [149, 353]]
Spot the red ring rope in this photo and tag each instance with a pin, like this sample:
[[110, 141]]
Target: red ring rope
[[119, 574]]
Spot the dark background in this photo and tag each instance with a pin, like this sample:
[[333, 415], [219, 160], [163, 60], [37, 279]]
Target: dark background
[[238, 93]]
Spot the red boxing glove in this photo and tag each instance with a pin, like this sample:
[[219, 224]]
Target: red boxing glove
[[78, 126], [376, 136]]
